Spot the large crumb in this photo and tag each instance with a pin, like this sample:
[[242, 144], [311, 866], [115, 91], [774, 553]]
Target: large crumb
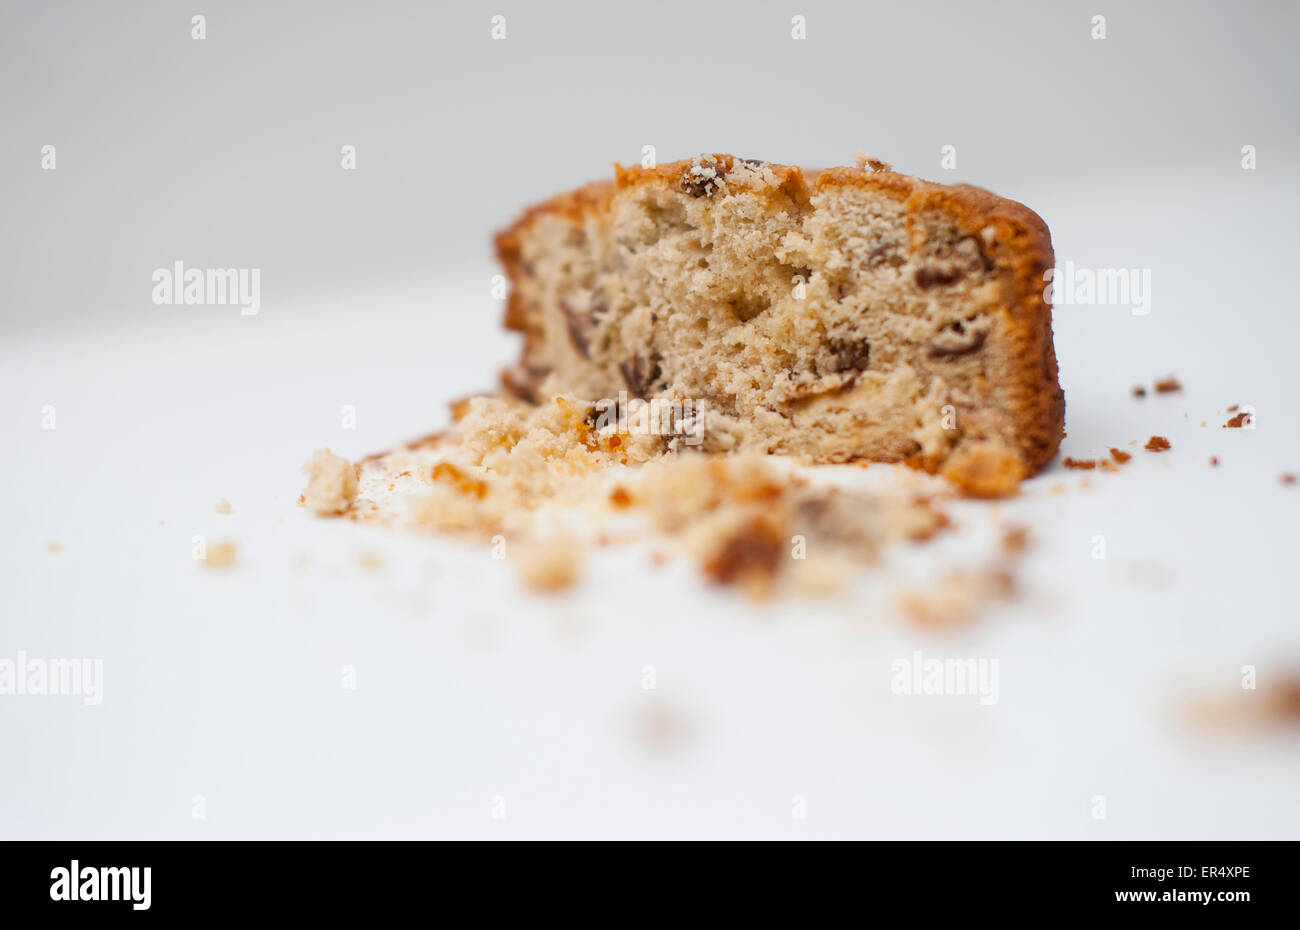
[[331, 483], [1157, 444], [985, 471]]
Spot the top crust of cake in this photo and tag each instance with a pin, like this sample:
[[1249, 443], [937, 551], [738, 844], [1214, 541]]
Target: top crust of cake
[[1011, 240]]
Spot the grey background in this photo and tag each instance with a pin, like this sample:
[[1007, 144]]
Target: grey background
[[225, 152]]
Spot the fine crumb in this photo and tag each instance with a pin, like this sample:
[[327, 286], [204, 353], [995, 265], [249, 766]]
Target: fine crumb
[[1202, 424], [1015, 540], [1168, 385], [985, 471], [221, 554], [550, 567], [958, 597], [865, 161], [331, 483], [1139, 391], [1157, 444], [370, 561], [1120, 456], [658, 727], [1234, 408], [620, 498], [223, 506], [1214, 461], [821, 577], [1287, 478], [54, 547], [1238, 421], [1080, 464]]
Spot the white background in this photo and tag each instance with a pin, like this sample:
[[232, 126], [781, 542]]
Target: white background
[[226, 685]]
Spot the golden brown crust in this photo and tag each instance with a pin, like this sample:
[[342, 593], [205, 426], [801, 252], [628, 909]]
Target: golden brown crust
[[1021, 244]]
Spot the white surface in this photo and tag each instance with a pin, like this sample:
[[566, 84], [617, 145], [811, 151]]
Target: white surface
[[226, 685]]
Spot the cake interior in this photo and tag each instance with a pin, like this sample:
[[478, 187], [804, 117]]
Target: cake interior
[[820, 321]]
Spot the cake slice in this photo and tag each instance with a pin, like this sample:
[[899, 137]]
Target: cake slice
[[835, 315]]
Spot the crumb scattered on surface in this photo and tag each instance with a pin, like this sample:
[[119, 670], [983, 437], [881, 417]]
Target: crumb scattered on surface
[[1274, 705], [1139, 391], [1168, 385], [1015, 540], [1214, 461], [331, 483], [864, 161], [221, 554], [957, 597], [223, 506], [552, 566], [1080, 464], [370, 561], [1234, 408], [1238, 421], [1287, 478], [658, 727], [985, 471], [619, 497], [1157, 444], [54, 547], [1120, 456]]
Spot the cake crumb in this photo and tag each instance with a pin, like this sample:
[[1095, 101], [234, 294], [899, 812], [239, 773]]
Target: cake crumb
[[865, 161], [1157, 444], [331, 483], [1120, 456], [958, 597], [1080, 464], [1015, 540], [748, 555], [619, 497], [221, 554], [1237, 422], [550, 567], [223, 506], [370, 561], [1287, 478], [985, 471], [1139, 391], [1214, 461], [1168, 385], [54, 547]]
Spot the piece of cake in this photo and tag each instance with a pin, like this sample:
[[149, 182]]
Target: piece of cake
[[835, 315]]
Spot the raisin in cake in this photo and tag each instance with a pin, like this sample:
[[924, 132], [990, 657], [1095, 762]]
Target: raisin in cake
[[849, 313]]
